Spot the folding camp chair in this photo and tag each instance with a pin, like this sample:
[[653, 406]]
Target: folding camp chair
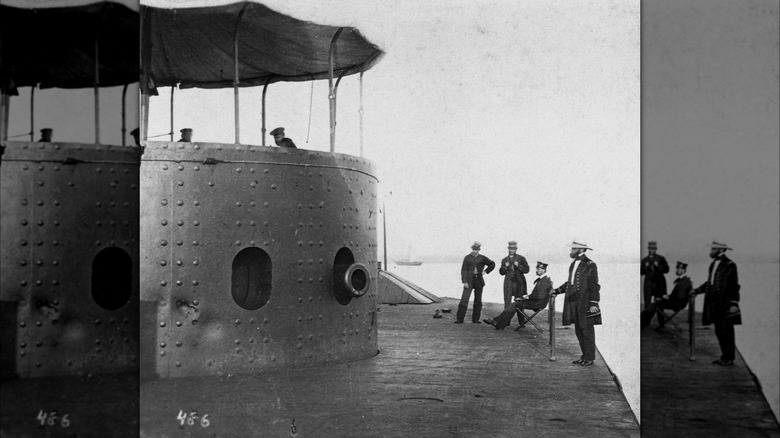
[[667, 318], [526, 319]]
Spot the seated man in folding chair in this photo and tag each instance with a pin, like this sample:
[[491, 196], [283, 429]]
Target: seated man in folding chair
[[536, 301], [676, 301]]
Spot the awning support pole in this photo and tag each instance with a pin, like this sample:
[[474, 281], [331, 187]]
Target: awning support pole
[[172, 90], [265, 88], [5, 109], [146, 60], [97, 91], [360, 112], [236, 76], [32, 113], [124, 113], [332, 90]]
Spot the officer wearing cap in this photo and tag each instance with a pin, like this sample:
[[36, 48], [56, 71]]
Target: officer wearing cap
[[513, 268], [281, 140], [581, 304], [186, 135], [721, 302], [653, 267], [675, 301], [471, 272], [538, 299], [46, 134]]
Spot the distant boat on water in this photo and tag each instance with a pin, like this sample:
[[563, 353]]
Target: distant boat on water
[[408, 261]]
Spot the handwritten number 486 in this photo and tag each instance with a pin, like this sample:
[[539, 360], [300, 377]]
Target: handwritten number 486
[[192, 418], [52, 418]]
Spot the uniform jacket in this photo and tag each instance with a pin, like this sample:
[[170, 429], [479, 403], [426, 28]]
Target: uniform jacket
[[721, 294], [583, 290], [540, 296], [654, 282], [287, 143], [467, 269], [680, 293], [519, 272]]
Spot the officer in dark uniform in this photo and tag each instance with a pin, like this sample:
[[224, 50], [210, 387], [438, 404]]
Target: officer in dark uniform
[[471, 275], [281, 140], [513, 268], [186, 135], [653, 267], [538, 299], [721, 302], [581, 305], [46, 134], [675, 301]]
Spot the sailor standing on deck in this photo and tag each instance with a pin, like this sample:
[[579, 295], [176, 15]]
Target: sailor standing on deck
[[471, 276], [513, 268], [721, 302], [653, 267], [581, 305]]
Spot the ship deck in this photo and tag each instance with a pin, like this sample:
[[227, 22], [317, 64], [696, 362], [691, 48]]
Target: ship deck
[[697, 398], [431, 378]]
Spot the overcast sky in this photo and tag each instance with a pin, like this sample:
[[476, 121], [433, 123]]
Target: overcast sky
[[489, 121]]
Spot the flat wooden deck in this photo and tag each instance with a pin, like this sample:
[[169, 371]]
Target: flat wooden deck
[[431, 378], [685, 398]]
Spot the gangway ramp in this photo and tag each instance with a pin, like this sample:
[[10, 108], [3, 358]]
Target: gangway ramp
[[393, 289]]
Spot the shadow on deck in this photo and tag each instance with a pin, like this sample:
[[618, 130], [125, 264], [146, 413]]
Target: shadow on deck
[[431, 378], [694, 398]]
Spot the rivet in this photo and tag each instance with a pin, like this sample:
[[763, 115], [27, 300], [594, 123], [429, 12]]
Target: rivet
[[300, 262], [23, 242], [273, 186], [23, 283], [180, 223], [23, 262], [178, 343], [196, 202], [196, 223], [180, 183], [211, 184], [265, 204], [24, 222], [164, 202], [181, 167], [70, 183], [55, 282], [39, 262], [179, 203], [238, 169], [238, 223], [252, 223], [39, 282], [178, 283], [195, 262], [162, 353], [265, 320], [238, 341], [237, 322], [164, 222], [195, 282], [40, 183], [252, 184], [163, 283], [97, 223], [195, 242], [56, 223], [178, 262], [163, 242], [38, 323], [165, 167], [178, 323], [238, 204]]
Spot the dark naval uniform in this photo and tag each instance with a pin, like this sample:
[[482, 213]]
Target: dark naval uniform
[[537, 300], [677, 300], [471, 274], [514, 278], [655, 282], [722, 292], [581, 293], [287, 143], [540, 296]]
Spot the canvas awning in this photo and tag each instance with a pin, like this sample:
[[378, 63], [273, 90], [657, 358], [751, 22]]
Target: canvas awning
[[53, 43], [194, 47]]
